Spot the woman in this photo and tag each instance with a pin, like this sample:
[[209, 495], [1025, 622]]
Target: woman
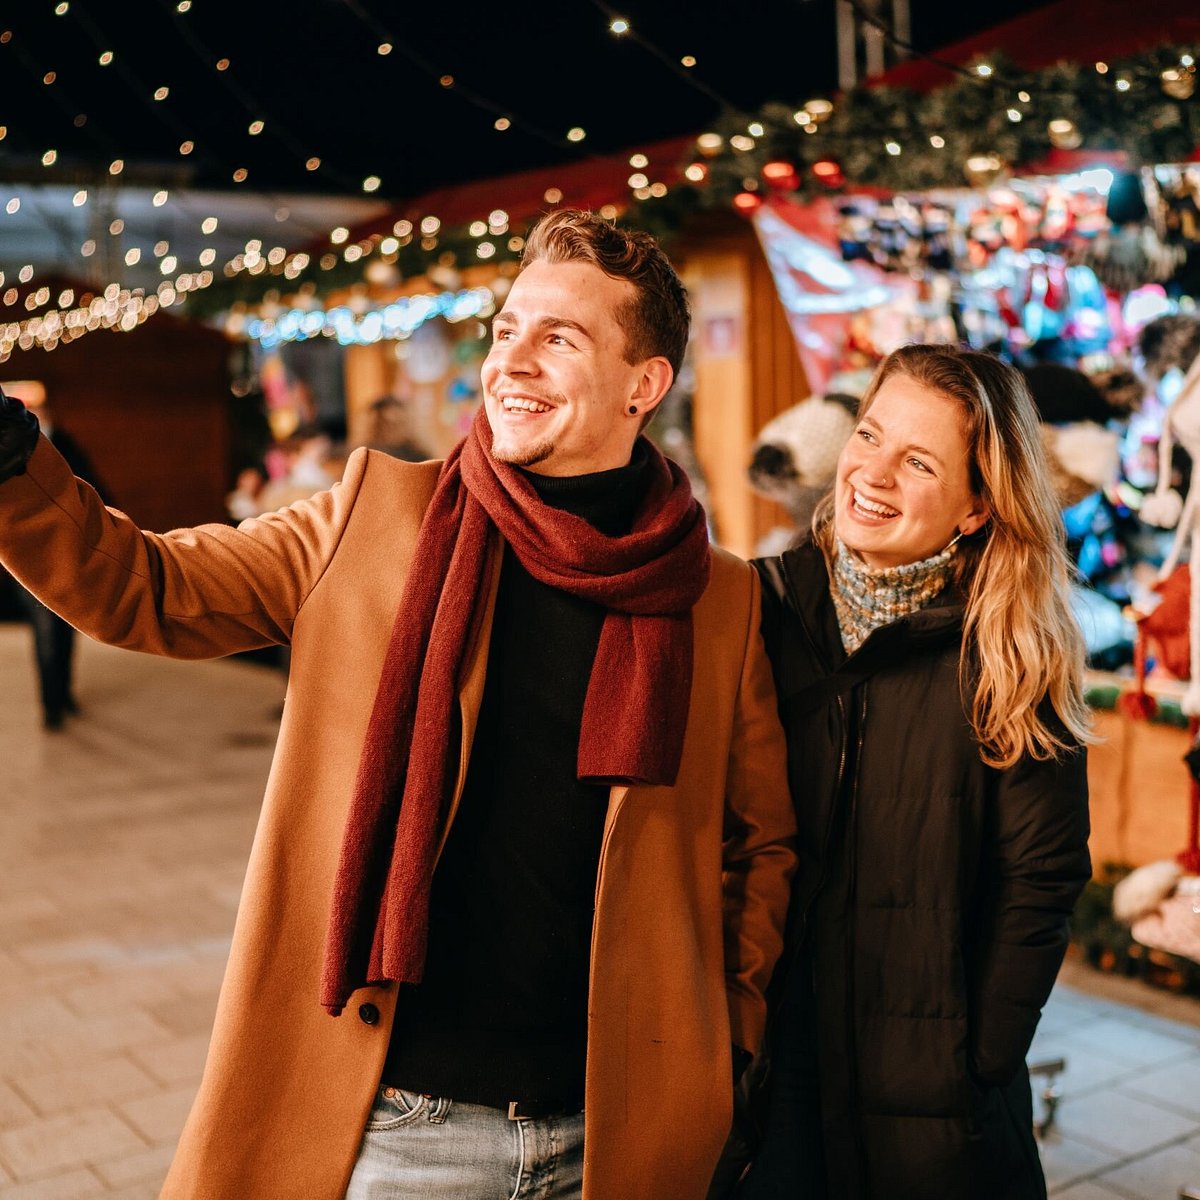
[[929, 677]]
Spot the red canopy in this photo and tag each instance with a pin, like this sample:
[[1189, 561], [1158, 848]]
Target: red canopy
[[1077, 30]]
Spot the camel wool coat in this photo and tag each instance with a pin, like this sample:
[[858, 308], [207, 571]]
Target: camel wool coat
[[691, 891]]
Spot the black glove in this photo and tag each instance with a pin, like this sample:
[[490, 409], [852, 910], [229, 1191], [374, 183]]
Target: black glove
[[18, 437]]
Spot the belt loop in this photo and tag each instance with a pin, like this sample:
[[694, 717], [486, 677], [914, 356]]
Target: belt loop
[[439, 1111], [514, 1111]]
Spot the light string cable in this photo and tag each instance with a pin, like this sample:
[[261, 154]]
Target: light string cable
[[674, 67], [468, 94], [59, 95], [161, 111], [272, 125], [92, 131], [207, 157]]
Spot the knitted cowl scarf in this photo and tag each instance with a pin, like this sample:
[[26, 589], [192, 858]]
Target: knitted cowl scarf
[[866, 598], [635, 712]]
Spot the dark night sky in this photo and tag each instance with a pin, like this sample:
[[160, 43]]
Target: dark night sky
[[310, 70]]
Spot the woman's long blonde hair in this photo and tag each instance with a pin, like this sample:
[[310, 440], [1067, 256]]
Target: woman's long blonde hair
[[1021, 643]]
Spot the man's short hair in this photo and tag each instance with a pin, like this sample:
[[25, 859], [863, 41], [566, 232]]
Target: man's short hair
[[656, 320]]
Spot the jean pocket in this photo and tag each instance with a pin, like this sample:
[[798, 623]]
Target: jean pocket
[[395, 1107]]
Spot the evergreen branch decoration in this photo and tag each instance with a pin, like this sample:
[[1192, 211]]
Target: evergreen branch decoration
[[991, 119]]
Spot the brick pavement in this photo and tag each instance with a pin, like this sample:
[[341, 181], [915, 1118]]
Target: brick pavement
[[124, 842]]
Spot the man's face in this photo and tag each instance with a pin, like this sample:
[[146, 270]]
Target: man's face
[[556, 386]]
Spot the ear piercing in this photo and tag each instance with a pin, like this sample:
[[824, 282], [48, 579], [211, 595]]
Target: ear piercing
[[633, 410]]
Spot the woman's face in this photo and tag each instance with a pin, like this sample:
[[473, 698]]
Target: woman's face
[[903, 489]]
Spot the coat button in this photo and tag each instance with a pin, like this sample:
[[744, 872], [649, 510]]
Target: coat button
[[368, 1014]]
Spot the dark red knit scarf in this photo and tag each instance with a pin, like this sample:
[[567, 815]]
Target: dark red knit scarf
[[634, 716]]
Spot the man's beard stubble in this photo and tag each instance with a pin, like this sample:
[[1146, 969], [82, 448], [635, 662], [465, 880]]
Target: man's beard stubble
[[525, 456]]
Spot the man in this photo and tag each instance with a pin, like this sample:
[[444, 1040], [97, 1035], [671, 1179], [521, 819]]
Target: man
[[547, 686]]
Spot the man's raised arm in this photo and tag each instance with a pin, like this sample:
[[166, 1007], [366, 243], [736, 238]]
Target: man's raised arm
[[191, 593]]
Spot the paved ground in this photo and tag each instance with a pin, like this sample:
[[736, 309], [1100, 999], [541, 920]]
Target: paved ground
[[121, 858]]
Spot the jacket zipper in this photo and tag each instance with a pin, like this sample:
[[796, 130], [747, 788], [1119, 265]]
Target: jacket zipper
[[852, 898]]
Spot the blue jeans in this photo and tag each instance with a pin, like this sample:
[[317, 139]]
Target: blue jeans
[[430, 1148]]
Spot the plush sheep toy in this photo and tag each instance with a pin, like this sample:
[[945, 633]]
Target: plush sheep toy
[[794, 459]]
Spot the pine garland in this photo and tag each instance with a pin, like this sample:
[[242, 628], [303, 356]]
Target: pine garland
[[1123, 108]]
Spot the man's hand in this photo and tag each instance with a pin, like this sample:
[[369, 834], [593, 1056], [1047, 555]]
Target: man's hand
[[18, 437]]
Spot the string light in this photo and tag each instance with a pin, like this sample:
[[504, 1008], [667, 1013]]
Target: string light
[[688, 60], [209, 224], [80, 198], [256, 127], [575, 134], [385, 48], [371, 183], [619, 25], [394, 322], [502, 123], [119, 310]]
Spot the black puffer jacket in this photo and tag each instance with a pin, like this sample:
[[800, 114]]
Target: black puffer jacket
[[931, 903]]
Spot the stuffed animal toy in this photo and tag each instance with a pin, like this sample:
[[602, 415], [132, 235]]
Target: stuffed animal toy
[[1084, 454], [1165, 507], [794, 458]]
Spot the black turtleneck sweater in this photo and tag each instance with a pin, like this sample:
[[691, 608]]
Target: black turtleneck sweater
[[501, 1013]]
